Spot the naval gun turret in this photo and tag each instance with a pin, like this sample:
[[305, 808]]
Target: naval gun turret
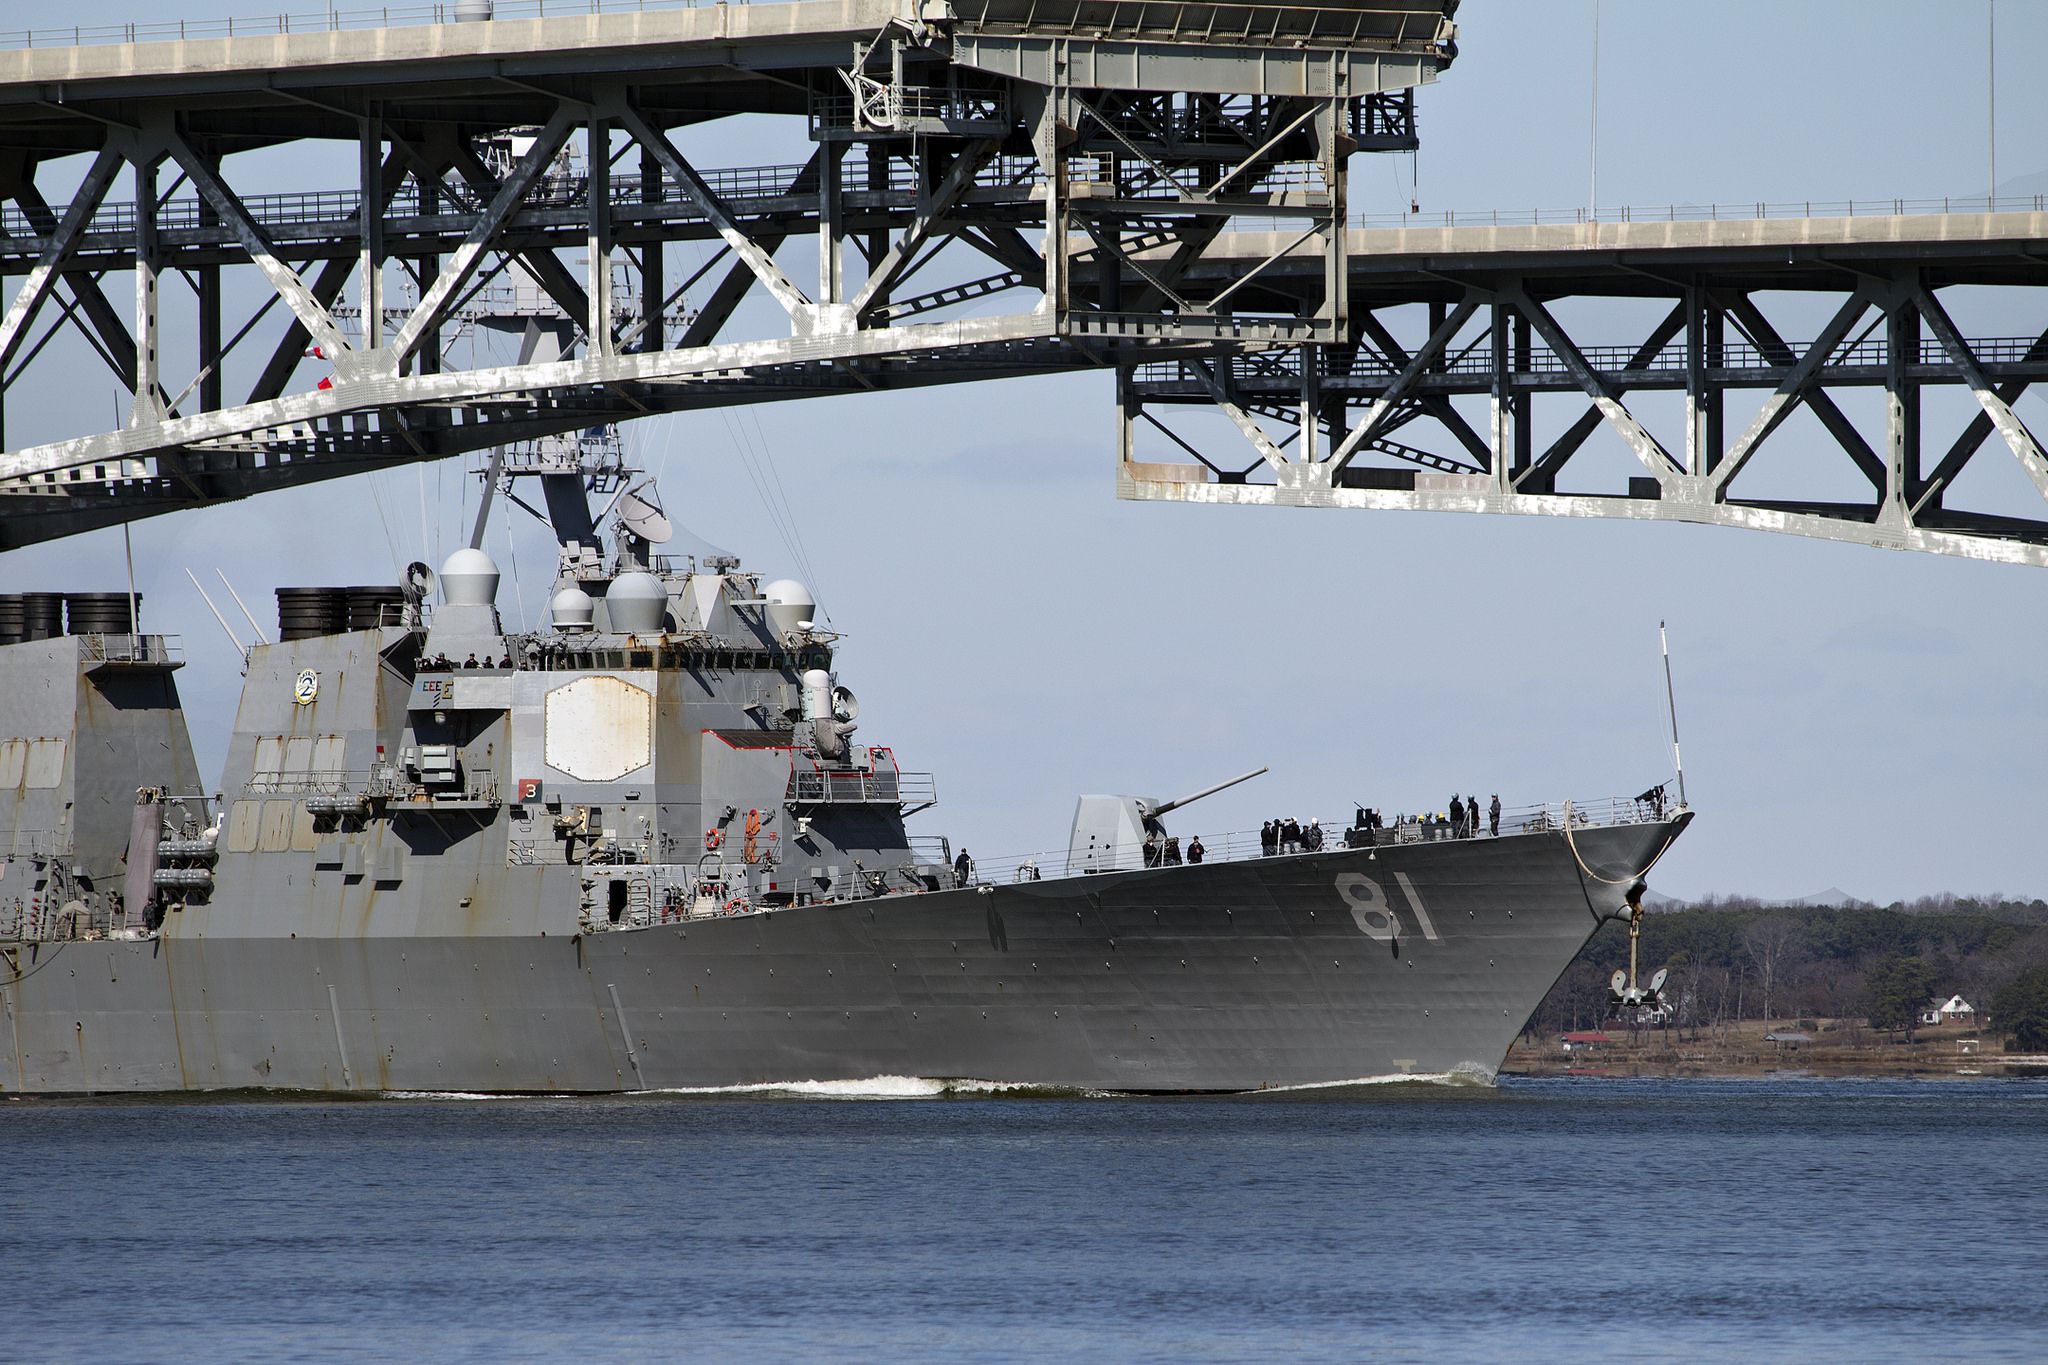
[[1117, 833]]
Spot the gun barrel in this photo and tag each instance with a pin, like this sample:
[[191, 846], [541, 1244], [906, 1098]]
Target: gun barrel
[[1179, 801]]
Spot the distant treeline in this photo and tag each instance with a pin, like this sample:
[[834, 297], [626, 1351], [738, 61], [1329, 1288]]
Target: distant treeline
[[1741, 959]]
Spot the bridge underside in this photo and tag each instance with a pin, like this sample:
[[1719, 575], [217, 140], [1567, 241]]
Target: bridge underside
[[993, 189], [1379, 422]]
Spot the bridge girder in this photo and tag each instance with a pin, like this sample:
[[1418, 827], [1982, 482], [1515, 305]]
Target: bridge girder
[[1317, 422], [1153, 199], [934, 143]]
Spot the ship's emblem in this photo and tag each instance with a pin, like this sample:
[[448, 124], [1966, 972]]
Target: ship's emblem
[[305, 687], [1374, 915]]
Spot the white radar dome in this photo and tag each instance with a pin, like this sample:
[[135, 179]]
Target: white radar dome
[[790, 606], [571, 608], [469, 578], [636, 602]]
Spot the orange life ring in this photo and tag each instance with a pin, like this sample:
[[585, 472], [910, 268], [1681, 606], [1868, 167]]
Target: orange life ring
[[713, 837]]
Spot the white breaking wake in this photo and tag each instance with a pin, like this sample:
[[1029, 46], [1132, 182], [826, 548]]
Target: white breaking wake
[[870, 1088], [936, 1088], [1465, 1073]]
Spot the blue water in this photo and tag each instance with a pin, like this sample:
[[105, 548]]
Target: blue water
[[1582, 1220]]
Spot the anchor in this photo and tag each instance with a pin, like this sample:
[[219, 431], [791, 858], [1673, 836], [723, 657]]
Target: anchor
[[1624, 990]]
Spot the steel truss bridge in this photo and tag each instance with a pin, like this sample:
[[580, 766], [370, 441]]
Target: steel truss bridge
[[992, 188]]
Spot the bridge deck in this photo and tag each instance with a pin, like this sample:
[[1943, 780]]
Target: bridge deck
[[1626, 257], [280, 78], [259, 89], [2008, 246]]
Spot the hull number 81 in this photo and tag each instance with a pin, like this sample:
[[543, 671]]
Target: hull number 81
[[1370, 910]]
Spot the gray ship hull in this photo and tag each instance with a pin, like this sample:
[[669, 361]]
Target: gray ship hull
[[1418, 959]]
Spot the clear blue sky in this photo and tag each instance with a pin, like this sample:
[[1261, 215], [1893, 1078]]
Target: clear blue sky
[[1852, 718]]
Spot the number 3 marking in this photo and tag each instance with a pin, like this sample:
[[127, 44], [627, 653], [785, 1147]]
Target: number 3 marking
[[1374, 916]]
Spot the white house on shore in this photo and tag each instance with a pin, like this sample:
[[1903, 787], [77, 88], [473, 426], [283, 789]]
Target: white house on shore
[[1954, 1010]]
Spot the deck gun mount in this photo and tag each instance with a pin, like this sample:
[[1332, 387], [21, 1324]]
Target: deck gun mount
[[1112, 833]]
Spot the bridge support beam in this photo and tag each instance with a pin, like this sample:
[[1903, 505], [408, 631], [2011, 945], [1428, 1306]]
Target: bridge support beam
[[1501, 342]]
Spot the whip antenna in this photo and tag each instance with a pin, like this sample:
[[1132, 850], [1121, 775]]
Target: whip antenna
[[1671, 707], [240, 648]]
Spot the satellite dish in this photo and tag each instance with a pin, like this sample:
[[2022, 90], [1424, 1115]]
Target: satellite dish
[[1657, 981], [845, 706], [1618, 980], [640, 512], [419, 580]]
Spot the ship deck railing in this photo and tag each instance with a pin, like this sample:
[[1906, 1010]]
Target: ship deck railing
[[328, 786], [862, 787], [44, 919], [39, 844], [1336, 835], [308, 782], [477, 790], [138, 651], [720, 886]]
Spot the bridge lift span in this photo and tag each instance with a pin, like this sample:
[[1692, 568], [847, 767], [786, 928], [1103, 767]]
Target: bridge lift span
[[995, 187]]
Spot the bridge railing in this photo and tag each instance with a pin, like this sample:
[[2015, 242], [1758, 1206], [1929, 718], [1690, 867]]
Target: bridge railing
[[1403, 25], [325, 21], [1736, 353], [741, 186], [1743, 211], [738, 186]]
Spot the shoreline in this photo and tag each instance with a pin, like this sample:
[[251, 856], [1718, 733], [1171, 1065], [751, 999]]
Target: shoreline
[[1819, 1048]]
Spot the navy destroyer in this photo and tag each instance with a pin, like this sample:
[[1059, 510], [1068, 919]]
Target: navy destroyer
[[646, 846]]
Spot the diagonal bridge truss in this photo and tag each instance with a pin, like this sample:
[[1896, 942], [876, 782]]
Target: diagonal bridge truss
[[1456, 337], [984, 188], [971, 167]]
